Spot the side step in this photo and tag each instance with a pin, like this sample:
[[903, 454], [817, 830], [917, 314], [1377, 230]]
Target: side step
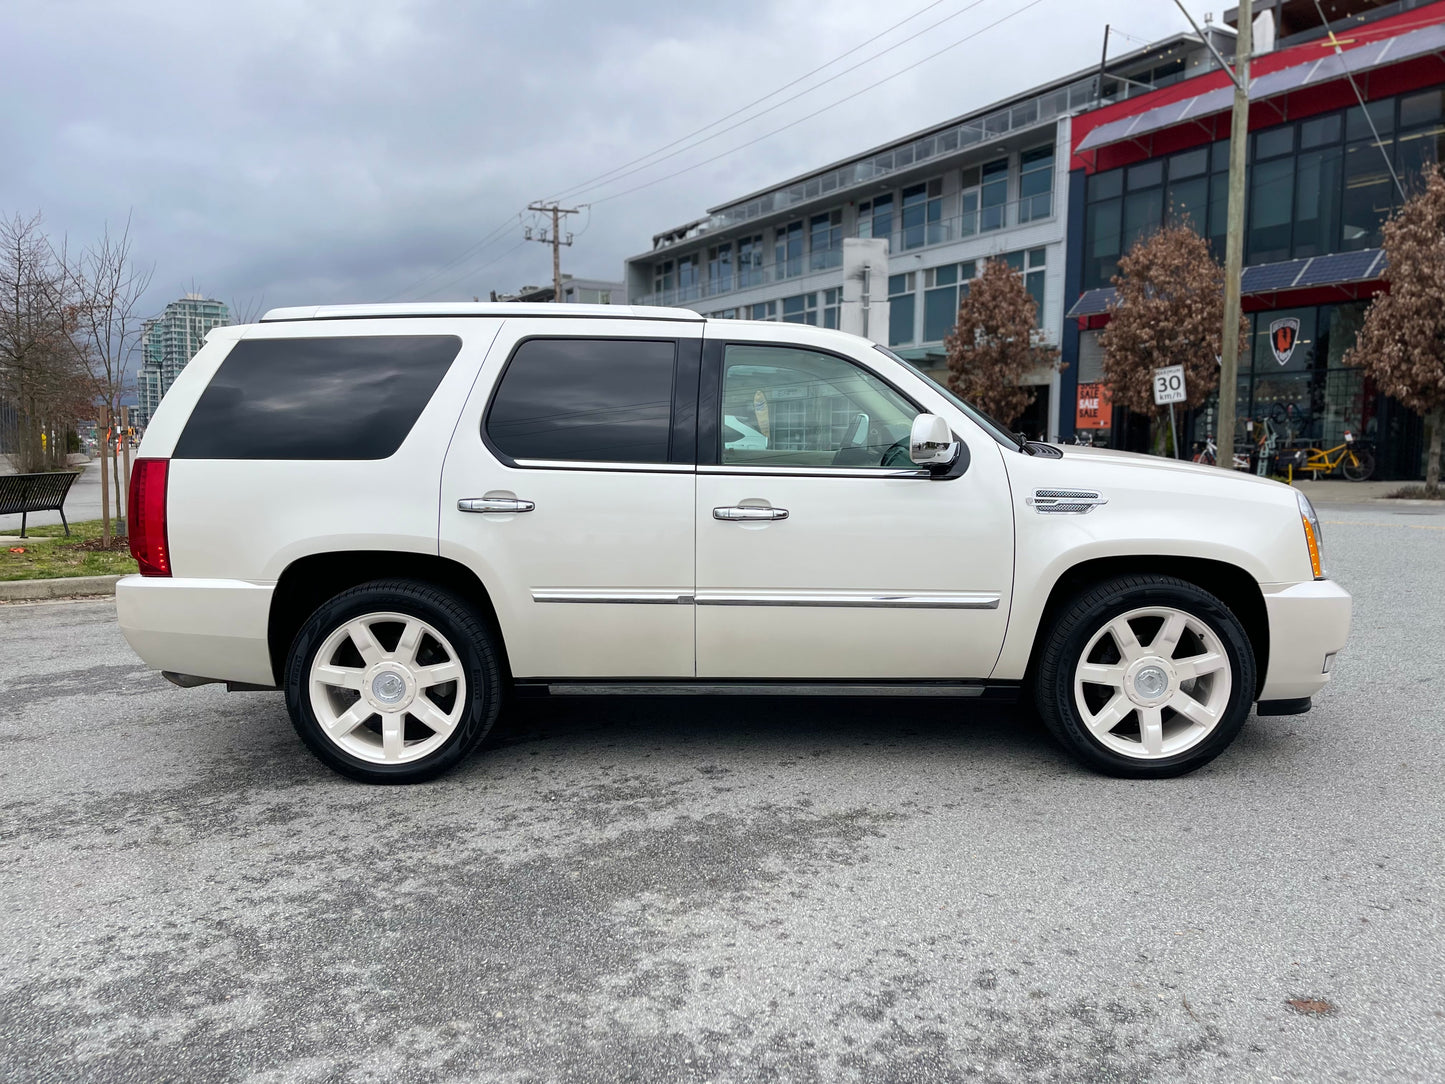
[[1001, 692]]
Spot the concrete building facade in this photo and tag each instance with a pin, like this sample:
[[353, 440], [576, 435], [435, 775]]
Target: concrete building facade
[[992, 184]]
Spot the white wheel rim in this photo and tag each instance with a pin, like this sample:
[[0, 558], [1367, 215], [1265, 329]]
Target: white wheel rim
[[1155, 698], [387, 688]]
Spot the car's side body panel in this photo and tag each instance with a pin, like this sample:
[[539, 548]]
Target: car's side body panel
[[595, 581], [874, 574]]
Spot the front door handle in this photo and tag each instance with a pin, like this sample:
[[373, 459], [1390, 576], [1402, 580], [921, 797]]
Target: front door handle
[[494, 505], [736, 513]]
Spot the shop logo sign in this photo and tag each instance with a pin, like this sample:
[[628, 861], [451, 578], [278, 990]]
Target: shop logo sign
[[1283, 334]]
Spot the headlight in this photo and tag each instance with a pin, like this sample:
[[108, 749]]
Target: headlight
[[1314, 537]]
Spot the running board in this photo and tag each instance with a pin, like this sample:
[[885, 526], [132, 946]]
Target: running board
[[994, 691]]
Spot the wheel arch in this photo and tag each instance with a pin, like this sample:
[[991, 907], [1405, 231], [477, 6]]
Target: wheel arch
[[309, 581], [1232, 585]]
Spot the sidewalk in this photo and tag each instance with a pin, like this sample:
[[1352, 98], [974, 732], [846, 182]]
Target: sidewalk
[[81, 503], [1339, 491]]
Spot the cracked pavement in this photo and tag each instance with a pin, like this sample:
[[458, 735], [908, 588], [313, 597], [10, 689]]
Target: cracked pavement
[[727, 890]]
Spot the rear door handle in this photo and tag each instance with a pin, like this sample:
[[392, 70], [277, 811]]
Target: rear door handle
[[494, 505], [736, 513]]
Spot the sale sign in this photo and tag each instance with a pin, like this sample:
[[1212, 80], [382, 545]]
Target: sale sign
[[1094, 409]]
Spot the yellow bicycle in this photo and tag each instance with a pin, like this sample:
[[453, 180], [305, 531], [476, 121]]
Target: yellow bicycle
[[1357, 463]]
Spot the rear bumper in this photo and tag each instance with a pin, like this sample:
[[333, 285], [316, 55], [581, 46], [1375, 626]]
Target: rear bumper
[[1307, 622], [209, 628]]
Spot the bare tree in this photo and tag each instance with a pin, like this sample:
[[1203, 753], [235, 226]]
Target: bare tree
[[109, 287], [44, 384], [1168, 310], [1402, 343], [247, 312], [996, 344]]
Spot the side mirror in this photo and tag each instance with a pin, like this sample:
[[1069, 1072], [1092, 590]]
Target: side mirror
[[931, 443]]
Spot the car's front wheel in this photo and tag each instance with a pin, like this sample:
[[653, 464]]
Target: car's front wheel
[[393, 681], [1145, 676]]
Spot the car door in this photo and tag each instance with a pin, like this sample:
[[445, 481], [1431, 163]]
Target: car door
[[569, 488], [824, 553]]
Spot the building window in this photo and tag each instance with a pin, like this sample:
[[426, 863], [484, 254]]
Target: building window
[[763, 310], [923, 215], [1033, 271], [993, 196], [901, 307], [720, 269], [750, 261], [832, 303], [1036, 184], [802, 309], [944, 287], [663, 281], [825, 240], [788, 251], [875, 217], [688, 278]]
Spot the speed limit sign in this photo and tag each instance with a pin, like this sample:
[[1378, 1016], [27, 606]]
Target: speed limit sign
[[1169, 385]]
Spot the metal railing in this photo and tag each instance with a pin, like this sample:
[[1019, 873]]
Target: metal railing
[[912, 238]]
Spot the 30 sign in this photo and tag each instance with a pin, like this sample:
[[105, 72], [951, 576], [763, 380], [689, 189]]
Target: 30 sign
[[1169, 385]]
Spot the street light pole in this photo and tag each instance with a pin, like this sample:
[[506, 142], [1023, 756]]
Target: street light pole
[[1234, 238]]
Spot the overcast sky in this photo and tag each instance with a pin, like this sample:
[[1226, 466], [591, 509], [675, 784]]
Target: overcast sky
[[286, 152]]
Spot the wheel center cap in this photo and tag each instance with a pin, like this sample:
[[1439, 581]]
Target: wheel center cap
[[388, 687], [1151, 682]]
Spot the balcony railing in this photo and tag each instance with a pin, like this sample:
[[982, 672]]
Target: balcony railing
[[912, 238]]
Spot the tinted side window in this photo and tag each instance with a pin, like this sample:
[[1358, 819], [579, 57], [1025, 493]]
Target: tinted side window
[[595, 400], [352, 397]]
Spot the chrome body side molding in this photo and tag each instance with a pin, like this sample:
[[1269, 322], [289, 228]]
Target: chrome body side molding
[[923, 600]]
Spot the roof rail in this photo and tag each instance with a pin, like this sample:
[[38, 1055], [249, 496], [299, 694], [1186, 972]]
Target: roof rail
[[476, 308]]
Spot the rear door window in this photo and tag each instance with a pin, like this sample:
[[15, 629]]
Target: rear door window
[[586, 400], [343, 397]]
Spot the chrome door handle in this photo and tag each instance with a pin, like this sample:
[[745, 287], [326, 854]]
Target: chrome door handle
[[736, 513], [494, 505]]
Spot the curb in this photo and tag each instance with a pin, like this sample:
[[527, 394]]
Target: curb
[[64, 587]]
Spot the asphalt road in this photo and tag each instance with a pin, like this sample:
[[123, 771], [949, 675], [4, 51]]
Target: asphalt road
[[730, 891]]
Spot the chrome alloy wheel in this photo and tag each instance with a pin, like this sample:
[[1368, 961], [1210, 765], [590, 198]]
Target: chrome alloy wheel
[[387, 688], [1153, 683]]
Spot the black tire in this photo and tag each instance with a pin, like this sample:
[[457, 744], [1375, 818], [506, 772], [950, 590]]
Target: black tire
[[1084, 616], [1358, 472], [469, 638]]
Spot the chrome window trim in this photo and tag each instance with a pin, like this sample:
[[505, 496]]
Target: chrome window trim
[[603, 465], [816, 472]]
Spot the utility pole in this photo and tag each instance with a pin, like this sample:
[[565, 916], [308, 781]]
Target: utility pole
[[554, 238], [1234, 237], [1234, 230]]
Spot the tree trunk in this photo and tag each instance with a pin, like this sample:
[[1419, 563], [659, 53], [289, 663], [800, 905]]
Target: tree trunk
[[1436, 420]]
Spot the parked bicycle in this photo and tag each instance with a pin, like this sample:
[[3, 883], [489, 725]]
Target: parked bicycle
[[1353, 459], [1209, 453]]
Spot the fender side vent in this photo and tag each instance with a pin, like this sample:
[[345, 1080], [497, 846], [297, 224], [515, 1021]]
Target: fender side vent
[[1065, 501]]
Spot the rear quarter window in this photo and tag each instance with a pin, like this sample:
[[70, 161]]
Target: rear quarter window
[[339, 397]]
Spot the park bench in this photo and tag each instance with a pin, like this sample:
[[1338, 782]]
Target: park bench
[[26, 493]]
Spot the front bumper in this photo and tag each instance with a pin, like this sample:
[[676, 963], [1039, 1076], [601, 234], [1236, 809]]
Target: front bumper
[[1307, 622], [208, 628]]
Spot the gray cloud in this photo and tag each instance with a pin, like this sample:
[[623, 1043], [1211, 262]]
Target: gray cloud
[[311, 151]]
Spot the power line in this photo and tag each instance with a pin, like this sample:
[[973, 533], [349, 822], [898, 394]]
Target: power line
[[765, 97], [817, 112], [417, 284], [476, 270], [622, 172]]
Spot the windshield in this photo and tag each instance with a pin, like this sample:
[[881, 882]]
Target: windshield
[[995, 429]]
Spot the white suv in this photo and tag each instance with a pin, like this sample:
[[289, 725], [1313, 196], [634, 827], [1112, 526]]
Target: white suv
[[401, 515]]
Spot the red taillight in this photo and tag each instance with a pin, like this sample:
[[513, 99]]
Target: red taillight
[[148, 517]]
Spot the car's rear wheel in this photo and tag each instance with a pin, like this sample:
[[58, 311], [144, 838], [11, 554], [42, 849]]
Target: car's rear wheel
[[1146, 676], [393, 681]]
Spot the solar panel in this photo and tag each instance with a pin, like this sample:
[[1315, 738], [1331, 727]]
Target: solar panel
[[1093, 302], [1340, 267], [1268, 277]]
